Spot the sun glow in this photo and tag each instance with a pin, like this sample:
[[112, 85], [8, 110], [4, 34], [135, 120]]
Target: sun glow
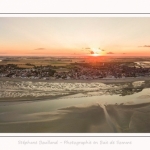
[[96, 52]]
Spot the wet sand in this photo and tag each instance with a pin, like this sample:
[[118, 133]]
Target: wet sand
[[127, 117], [131, 118], [92, 119], [67, 120], [33, 90]]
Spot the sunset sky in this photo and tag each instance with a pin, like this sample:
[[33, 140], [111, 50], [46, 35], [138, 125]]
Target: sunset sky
[[76, 36]]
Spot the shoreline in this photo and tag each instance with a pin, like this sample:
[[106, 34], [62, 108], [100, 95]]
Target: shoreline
[[29, 98], [21, 100], [116, 80]]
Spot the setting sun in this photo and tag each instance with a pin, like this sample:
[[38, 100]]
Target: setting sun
[[96, 52]]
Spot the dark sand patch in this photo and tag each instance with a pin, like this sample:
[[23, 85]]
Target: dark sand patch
[[131, 118], [140, 122], [68, 120]]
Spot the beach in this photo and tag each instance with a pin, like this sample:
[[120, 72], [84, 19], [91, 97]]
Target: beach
[[75, 106], [124, 119]]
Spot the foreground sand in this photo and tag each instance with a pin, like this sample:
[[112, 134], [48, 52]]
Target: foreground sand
[[96, 118], [92, 119]]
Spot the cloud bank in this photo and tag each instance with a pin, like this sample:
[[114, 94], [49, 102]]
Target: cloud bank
[[39, 49]]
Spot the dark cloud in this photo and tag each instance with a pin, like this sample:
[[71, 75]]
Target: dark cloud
[[110, 53], [39, 49], [145, 46], [101, 49], [87, 49], [123, 53], [91, 52]]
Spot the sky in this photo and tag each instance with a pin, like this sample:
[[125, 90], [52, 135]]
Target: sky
[[74, 36]]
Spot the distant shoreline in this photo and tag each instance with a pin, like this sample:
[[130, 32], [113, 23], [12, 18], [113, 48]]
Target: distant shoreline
[[116, 80]]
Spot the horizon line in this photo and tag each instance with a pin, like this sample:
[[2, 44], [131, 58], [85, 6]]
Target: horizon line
[[68, 56]]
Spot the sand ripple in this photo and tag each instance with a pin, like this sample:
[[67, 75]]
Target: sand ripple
[[21, 89]]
